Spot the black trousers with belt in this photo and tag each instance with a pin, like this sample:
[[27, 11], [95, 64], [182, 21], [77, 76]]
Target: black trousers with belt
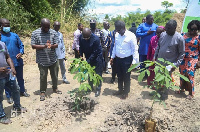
[[123, 64]]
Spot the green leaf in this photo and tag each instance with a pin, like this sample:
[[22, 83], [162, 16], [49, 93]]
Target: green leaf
[[141, 76], [175, 87], [148, 73], [158, 95], [161, 59], [183, 77], [133, 67]]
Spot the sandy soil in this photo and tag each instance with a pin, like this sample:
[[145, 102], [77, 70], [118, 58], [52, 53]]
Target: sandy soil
[[110, 112]]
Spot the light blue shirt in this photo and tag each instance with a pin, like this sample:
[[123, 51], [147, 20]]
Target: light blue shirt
[[126, 46], [60, 51]]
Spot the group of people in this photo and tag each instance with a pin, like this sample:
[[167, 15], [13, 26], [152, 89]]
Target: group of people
[[120, 47]]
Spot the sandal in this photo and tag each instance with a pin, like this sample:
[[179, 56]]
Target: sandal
[[42, 97], [5, 120], [57, 91], [20, 109], [190, 97], [179, 91]]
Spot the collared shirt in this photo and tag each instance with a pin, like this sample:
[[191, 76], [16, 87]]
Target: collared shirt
[[145, 38], [45, 57], [171, 48], [3, 61], [126, 46], [112, 36], [77, 34], [106, 35], [60, 51], [14, 46], [92, 49]]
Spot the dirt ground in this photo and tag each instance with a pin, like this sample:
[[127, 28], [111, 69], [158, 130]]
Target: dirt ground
[[110, 112]]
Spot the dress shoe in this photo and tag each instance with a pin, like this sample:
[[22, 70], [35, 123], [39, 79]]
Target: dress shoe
[[107, 72], [66, 82], [9, 100], [97, 93], [25, 94], [117, 93], [124, 96]]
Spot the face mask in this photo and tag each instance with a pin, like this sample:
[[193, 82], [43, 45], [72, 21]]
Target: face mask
[[6, 29]]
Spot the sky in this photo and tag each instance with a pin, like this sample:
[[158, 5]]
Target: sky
[[122, 7]]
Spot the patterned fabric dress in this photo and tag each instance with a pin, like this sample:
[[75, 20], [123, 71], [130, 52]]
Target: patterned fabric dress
[[190, 60]]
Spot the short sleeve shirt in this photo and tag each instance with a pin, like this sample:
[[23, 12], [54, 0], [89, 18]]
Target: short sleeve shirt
[[3, 62], [45, 57]]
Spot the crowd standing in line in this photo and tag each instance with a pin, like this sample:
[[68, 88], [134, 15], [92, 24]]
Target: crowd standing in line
[[122, 45]]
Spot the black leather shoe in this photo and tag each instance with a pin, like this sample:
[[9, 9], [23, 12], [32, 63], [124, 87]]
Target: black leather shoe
[[9, 100], [117, 93], [107, 72], [97, 93], [124, 96], [25, 94]]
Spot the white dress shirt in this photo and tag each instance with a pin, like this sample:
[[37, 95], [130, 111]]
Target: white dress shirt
[[77, 34], [126, 46]]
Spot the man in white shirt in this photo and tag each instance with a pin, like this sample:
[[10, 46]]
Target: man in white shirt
[[75, 45], [126, 53], [60, 52]]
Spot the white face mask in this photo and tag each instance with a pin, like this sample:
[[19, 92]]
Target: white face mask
[[6, 29]]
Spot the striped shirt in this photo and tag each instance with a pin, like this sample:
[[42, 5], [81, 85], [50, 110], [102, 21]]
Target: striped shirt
[[45, 57]]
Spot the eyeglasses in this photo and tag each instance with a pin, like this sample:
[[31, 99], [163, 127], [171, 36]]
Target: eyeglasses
[[193, 29], [86, 38]]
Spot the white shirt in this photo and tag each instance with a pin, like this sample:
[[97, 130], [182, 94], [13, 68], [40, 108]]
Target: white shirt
[[77, 34], [126, 46], [60, 51]]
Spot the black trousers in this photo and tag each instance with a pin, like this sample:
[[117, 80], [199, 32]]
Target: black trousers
[[77, 55], [114, 69], [123, 64]]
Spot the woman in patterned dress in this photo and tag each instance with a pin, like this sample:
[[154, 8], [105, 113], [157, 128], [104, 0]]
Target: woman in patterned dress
[[192, 49]]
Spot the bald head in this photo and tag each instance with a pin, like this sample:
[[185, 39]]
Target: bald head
[[45, 24], [86, 33], [56, 26]]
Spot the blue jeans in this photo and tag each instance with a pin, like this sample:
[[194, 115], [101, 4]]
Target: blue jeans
[[20, 80], [14, 88]]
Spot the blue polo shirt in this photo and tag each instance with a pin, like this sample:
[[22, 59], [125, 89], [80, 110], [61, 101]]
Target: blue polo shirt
[[92, 49], [145, 39], [14, 46]]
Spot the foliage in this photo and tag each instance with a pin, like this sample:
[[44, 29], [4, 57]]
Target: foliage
[[25, 15], [162, 80], [84, 72], [166, 4]]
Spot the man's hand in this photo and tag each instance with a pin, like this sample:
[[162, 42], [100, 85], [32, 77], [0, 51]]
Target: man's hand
[[111, 61], [150, 31], [18, 56], [13, 71], [154, 60], [48, 44], [4, 69]]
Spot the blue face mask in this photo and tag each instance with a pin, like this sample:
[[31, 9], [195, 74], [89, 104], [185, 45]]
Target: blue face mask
[[6, 29]]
